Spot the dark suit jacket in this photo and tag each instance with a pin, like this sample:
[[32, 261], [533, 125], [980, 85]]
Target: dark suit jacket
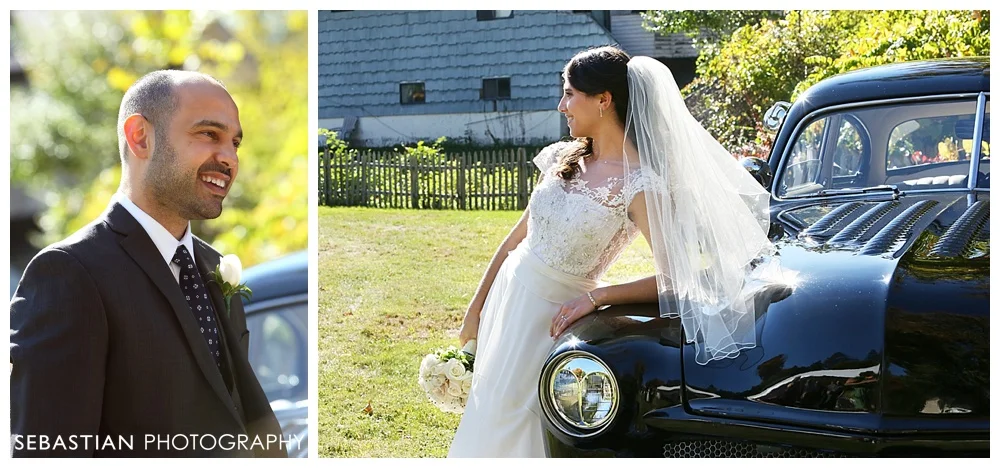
[[103, 344]]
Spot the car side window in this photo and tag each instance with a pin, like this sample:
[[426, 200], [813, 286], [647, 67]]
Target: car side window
[[802, 173], [932, 151], [802, 169], [848, 152], [277, 351], [929, 140]]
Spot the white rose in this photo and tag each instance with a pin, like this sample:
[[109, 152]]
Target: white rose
[[437, 381], [440, 369], [466, 386], [455, 370], [231, 269], [427, 363], [455, 388], [466, 375]]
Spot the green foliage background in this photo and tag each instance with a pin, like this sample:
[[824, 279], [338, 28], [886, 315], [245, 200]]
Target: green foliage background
[[767, 59], [79, 64]]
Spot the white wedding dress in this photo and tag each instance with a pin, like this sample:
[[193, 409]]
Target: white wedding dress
[[576, 230]]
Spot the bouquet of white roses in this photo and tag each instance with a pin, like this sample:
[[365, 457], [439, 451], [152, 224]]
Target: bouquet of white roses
[[446, 377]]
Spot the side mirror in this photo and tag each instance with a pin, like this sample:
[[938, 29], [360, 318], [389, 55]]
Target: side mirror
[[759, 169], [775, 116]]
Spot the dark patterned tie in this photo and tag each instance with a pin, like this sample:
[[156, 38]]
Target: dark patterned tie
[[196, 295]]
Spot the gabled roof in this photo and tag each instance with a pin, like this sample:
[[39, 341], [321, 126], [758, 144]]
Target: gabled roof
[[365, 55]]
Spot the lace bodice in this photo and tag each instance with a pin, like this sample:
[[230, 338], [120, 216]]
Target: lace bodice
[[578, 226]]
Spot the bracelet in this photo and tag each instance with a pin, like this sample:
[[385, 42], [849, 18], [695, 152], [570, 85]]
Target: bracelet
[[592, 301]]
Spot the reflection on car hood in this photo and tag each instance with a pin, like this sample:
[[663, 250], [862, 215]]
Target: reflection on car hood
[[890, 318]]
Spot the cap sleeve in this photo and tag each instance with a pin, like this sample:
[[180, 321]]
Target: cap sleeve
[[643, 180], [547, 157]]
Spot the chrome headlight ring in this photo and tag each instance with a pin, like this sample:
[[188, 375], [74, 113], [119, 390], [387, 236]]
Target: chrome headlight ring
[[579, 393]]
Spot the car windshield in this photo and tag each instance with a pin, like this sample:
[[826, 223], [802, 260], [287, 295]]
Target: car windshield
[[925, 146]]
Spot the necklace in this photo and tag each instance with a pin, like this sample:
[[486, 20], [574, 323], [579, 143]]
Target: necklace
[[602, 161]]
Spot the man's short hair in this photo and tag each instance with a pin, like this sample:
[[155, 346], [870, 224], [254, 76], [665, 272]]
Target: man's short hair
[[153, 97]]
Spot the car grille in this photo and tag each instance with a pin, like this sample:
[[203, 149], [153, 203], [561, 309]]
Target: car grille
[[716, 448]]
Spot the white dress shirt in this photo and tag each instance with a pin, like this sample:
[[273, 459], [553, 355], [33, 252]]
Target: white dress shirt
[[164, 241]]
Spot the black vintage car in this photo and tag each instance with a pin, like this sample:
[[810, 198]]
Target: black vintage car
[[277, 319], [880, 203]]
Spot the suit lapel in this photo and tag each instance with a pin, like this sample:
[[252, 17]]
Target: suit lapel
[[140, 247], [260, 418]]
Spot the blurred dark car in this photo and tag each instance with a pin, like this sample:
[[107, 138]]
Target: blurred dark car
[[277, 317], [880, 201]]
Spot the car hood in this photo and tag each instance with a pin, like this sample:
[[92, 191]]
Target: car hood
[[887, 324]]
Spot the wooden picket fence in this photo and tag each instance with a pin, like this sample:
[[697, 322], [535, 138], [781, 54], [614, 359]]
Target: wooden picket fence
[[476, 180]]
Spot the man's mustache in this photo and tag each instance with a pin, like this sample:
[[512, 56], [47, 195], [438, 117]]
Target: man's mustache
[[216, 167]]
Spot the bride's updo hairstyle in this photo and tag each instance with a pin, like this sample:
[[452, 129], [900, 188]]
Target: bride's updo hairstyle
[[591, 72]]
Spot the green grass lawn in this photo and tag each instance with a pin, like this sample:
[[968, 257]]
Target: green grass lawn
[[393, 286]]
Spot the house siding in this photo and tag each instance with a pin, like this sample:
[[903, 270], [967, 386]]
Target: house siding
[[365, 55], [520, 128], [636, 40]]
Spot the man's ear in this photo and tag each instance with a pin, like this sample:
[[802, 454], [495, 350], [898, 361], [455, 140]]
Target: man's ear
[[139, 136]]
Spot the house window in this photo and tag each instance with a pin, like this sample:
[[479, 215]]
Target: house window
[[495, 88], [411, 93], [487, 15]]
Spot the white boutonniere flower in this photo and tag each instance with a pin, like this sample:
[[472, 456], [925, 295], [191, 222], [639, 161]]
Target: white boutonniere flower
[[228, 274]]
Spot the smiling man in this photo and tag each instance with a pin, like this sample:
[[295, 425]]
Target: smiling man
[[120, 342]]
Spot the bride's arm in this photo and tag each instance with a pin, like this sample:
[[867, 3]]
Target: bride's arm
[[470, 325], [638, 291]]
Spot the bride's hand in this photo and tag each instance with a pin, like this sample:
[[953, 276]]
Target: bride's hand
[[570, 312], [470, 328]]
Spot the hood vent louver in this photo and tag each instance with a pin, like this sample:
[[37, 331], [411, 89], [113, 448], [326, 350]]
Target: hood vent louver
[[831, 219], [970, 226], [855, 231], [897, 229]]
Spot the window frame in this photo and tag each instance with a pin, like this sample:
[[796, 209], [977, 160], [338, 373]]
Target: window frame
[[491, 15], [423, 89], [497, 79], [979, 97], [977, 142]]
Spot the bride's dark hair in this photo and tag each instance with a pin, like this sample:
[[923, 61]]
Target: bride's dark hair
[[591, 72]]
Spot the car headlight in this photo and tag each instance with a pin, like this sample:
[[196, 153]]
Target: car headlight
[[581, 392]]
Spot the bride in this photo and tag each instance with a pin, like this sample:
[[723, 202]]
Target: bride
[[640, 164]]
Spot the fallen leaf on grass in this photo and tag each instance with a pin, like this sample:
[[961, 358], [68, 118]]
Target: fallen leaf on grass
[[368, 409]]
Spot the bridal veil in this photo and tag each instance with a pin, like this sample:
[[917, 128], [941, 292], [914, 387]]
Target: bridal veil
[[708, 217]]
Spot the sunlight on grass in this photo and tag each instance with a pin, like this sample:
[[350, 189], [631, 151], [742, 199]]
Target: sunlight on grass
[[393, 286]]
